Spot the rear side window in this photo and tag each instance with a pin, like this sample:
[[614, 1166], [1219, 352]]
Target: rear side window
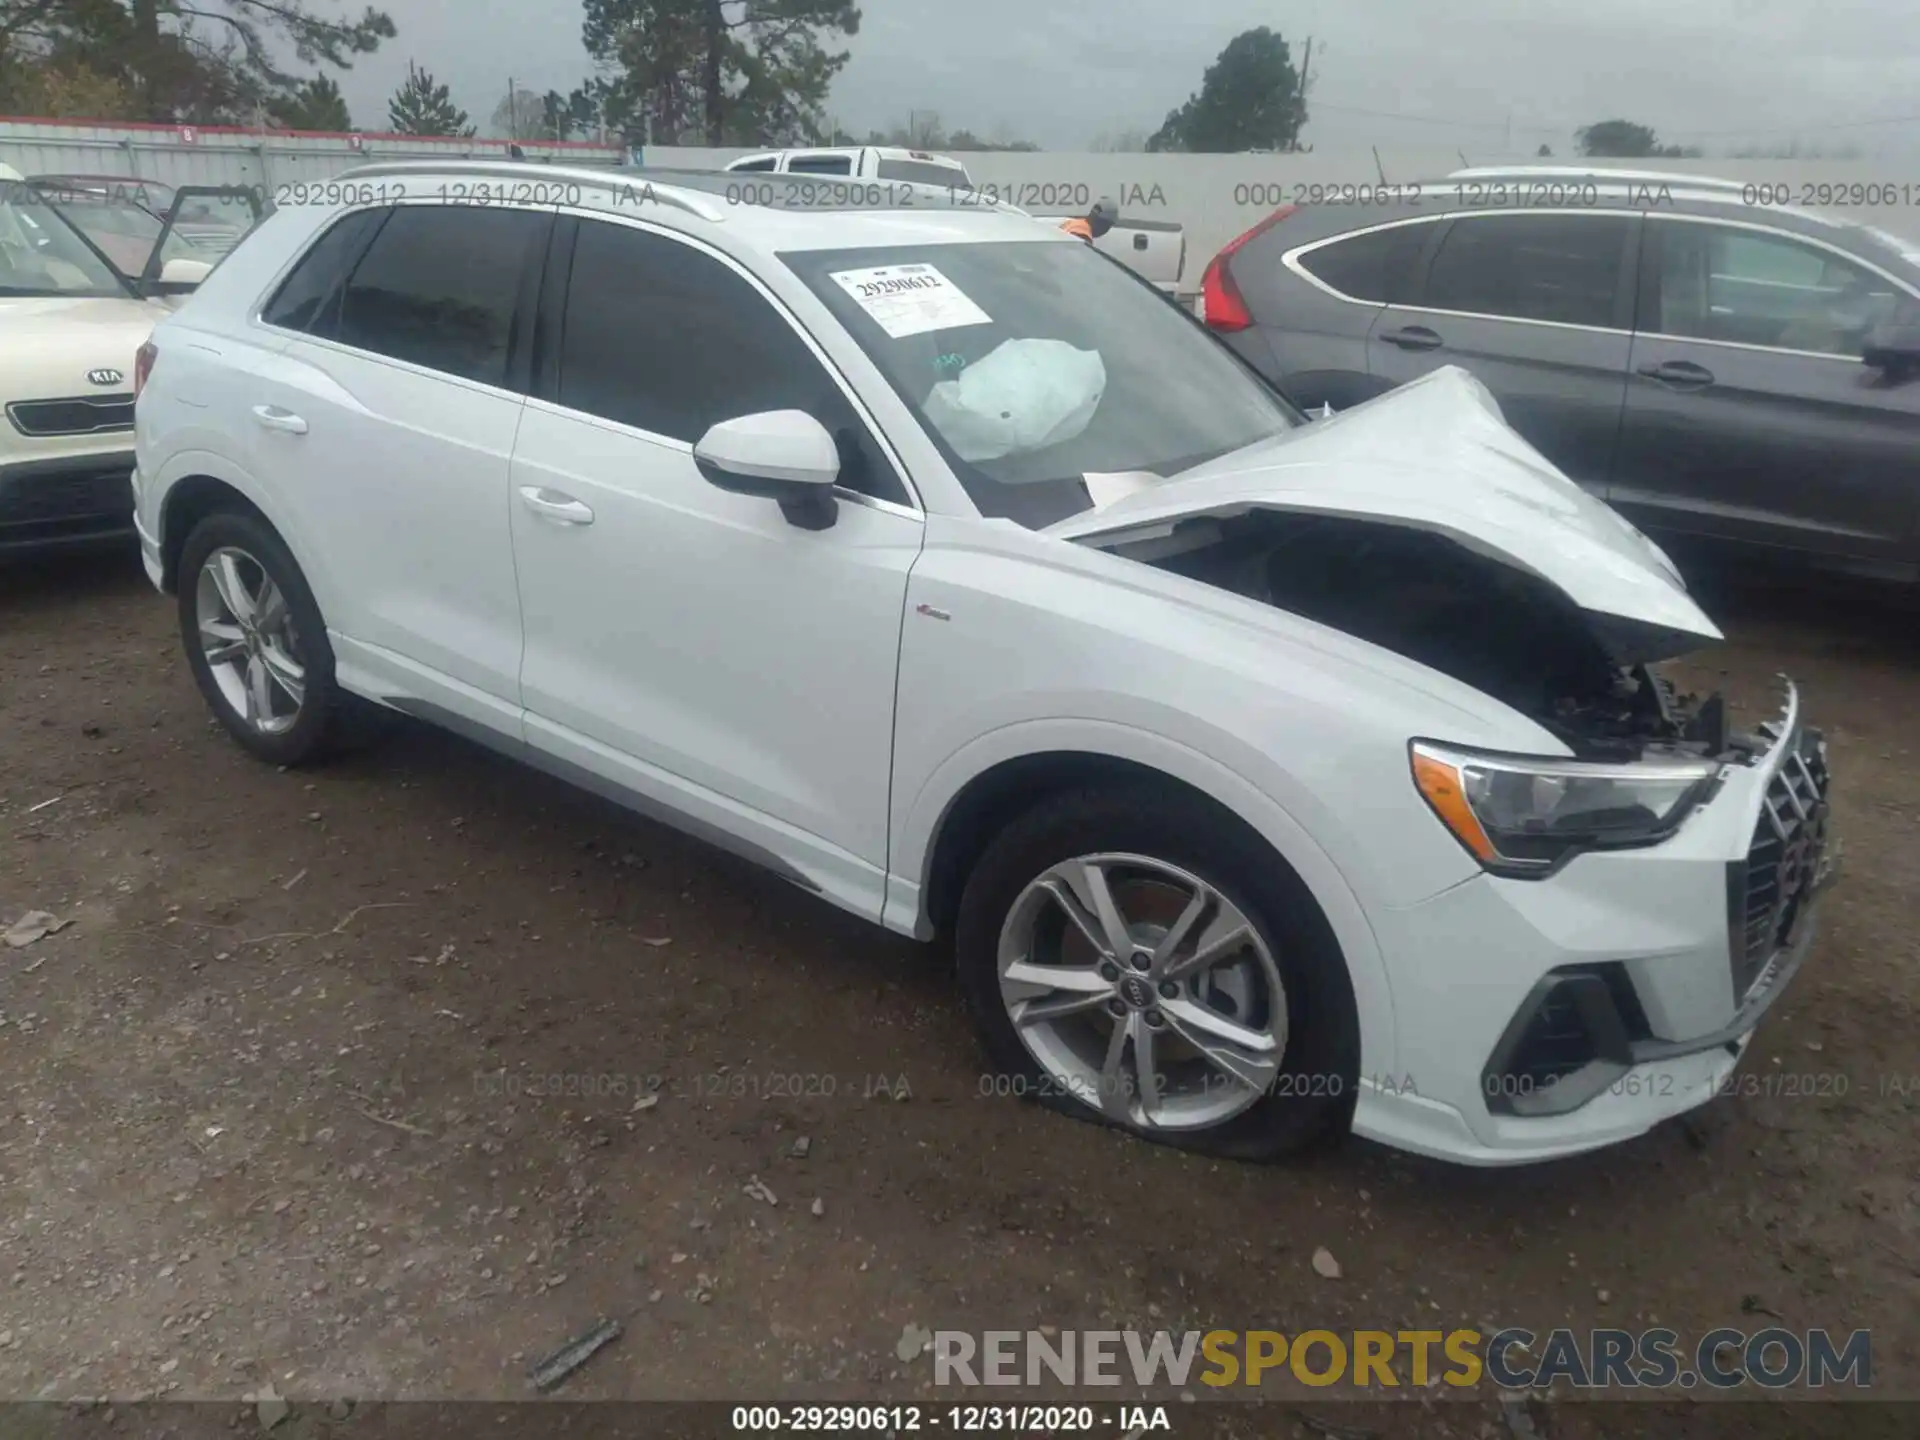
[[439, 286], [820, 165], [1376, 266], [316, 279], [666, 339], [1560, 268]]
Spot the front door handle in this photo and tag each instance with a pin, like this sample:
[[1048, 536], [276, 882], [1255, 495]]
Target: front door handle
[[1414, 337], [1682, 374], [555, 506], [274, 418]]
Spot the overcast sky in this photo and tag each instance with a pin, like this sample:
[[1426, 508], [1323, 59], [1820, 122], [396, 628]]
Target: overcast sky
[[1721, 73]]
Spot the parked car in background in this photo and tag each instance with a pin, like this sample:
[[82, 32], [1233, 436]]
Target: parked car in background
[[1710, 364], [81, 287], [1156, 250], [1272, 777]]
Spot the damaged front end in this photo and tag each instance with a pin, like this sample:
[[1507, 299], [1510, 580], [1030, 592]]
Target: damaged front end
[[1422, 523], [1507, 633]]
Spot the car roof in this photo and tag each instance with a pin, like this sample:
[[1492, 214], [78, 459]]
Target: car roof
[[761, 211]]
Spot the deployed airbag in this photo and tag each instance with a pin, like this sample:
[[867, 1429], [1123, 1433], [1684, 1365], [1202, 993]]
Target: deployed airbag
[[1024, 395]]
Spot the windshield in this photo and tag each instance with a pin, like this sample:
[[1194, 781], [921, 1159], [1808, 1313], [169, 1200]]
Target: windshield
[[41, 255], [1036, 364]]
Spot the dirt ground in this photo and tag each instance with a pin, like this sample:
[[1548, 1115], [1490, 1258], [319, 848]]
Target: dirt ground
[[279, 1105]]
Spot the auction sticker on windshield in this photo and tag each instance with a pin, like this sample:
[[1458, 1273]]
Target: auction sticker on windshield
[[910, 299]]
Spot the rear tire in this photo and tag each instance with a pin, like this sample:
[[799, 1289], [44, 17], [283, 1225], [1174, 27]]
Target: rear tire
[[256, 642], [1253, 1047]]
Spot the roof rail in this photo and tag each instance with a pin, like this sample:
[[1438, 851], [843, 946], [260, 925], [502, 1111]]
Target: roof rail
[[1678, 178], [694, 202]]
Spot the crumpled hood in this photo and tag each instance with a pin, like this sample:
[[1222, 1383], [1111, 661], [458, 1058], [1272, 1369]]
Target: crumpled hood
[[48, 344], [1436, 454]]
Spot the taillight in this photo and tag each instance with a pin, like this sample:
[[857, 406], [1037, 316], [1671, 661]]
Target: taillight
[[143, 366], [1222, 305]]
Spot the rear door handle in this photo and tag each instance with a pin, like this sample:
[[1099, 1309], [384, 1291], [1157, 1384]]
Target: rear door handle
[[274, 418], [1414, 337], [1682, 374], [555, 506]]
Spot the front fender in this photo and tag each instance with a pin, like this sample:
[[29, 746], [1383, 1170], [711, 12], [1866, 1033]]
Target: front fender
[[918, 827]]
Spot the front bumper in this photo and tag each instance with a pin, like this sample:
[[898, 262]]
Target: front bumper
[[1543, 1018], [65, 502]]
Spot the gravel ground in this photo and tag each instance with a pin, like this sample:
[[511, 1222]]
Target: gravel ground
[[275, 1111]]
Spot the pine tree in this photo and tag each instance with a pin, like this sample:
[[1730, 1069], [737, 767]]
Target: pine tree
[[422, 106]]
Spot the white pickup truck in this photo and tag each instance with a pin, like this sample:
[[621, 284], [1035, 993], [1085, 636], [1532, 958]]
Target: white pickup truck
[[1154, 249]]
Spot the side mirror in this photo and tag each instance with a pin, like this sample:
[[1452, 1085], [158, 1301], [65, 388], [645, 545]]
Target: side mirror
[[1894, 349], [184, 273], [781, 455], [1101, 218]]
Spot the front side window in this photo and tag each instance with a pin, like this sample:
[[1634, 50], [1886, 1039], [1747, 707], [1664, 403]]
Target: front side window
[[1749, 287], [1565, 269], [1376, 266], [662, 337], [438, 287], [1035, 365]]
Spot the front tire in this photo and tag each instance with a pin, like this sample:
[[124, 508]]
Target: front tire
[[1139, 957], [256, 642]]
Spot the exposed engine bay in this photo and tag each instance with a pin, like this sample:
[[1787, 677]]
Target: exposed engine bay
[[1481, 621]]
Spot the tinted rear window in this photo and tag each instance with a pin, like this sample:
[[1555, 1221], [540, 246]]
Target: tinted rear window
[[297, 303], [1376, 266], [439, 285], [1565, 269]]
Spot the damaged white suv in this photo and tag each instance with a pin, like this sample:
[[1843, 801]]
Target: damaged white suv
[[1273, 778]]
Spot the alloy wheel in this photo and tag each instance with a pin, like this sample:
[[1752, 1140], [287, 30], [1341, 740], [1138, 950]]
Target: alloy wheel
[[1143, 991], [249, 640]]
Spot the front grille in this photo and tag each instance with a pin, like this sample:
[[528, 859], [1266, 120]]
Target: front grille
[[1770, 891], [75, 415]]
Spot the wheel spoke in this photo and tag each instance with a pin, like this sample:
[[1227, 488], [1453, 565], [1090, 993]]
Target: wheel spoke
[[1144, 1069], [1225, 934], [233, 590], [1088, 881], [259, 692], [271, 611], [1114, 1098], [1084, 921], [1251, 1057], [1062, 990], [287, 673], [1177, 936], [223, 643]]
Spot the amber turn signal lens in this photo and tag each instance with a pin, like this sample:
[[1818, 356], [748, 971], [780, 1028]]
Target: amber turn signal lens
[[1441, 785]]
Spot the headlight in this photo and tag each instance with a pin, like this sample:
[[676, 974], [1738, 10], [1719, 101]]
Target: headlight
[[1521, 816]]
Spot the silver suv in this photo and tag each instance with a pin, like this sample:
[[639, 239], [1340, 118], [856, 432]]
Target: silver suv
[[1711, 362]]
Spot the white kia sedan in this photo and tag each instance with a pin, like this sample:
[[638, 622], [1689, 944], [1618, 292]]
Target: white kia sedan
[[1272, 778]]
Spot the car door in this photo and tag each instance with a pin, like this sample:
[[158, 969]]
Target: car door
[[387, 422], [1750, 415], [1538, 305], [684, 642]]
